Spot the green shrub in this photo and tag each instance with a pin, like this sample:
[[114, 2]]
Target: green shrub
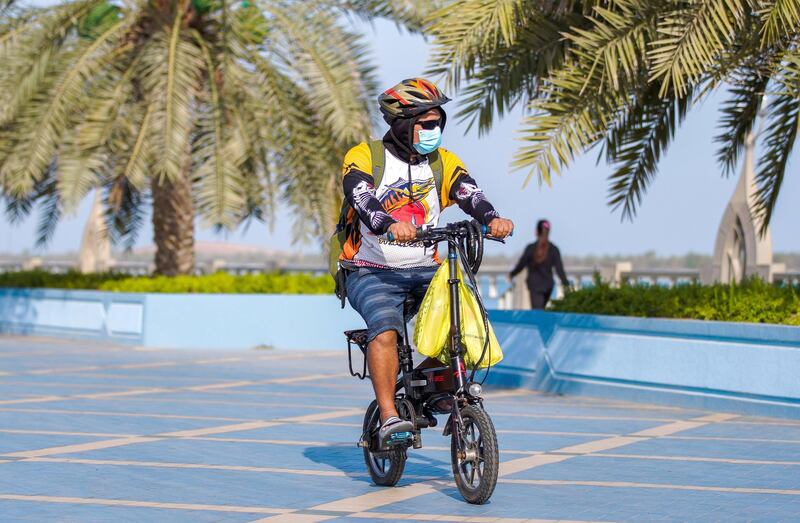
[[68, 280], [221, 282], [752, 301]]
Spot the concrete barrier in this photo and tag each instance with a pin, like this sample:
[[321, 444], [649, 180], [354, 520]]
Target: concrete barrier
[[737, 367], [183, 321]]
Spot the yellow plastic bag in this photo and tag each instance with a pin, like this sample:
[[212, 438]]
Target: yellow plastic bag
[[432, 330]]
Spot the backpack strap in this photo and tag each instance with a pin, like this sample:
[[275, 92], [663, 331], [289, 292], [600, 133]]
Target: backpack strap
[[437, 166], [378, 154]]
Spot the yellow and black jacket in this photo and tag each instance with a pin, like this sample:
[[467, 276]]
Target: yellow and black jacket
[[408, 191]]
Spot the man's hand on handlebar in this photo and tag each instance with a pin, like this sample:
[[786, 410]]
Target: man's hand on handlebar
[[500, 227], [402, 232]]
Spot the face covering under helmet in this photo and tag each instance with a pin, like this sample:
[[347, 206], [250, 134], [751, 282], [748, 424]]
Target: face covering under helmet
[[429, 140]]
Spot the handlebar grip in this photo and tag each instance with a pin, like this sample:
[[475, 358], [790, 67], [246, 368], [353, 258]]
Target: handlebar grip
[[485, 230], [390, 236]]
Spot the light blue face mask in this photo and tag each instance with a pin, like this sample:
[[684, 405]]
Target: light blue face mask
[[429, 140]]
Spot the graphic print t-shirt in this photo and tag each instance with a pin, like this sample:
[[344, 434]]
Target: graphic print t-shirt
[[395, 194]]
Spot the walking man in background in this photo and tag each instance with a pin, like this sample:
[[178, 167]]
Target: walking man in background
[[540, 259]]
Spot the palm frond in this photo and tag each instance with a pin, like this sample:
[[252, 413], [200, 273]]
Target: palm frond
[[411, 13], [465, 30], [615, 45], [218, 156], [779, 17], [691, 37], [45, 121], [125, 212], [512, 74], [330, 62], [50, 212], [171, 68], [636, 144], [565, 121], [136, 155], [782, 122], [27, 49], [739, 113]]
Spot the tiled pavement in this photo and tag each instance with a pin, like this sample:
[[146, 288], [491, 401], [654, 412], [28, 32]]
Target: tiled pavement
[[92, 432]]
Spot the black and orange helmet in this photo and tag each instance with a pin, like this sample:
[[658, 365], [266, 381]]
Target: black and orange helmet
[[410, 98]]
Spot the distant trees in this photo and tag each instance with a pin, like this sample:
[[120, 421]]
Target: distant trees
[[200, 108]]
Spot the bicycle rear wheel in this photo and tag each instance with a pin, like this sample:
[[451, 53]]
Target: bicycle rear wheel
[[475, 467], [386, 467]]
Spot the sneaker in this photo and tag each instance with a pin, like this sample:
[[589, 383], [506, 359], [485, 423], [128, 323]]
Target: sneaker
[[395, 430]]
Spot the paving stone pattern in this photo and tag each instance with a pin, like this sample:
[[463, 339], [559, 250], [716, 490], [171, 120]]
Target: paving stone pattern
[[93, 432]]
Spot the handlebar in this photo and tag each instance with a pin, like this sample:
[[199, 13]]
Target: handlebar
[[452, 230]]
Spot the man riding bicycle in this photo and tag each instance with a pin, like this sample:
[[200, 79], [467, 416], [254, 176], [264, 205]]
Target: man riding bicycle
[[418, 179]]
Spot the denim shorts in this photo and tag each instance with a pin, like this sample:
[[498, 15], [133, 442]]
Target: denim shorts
[[378, 295]]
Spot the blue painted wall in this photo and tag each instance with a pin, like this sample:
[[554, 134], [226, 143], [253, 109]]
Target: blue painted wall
[[223, 321], [722, 366], [183, 321]]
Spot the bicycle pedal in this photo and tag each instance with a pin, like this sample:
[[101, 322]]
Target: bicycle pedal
[[398, 437]]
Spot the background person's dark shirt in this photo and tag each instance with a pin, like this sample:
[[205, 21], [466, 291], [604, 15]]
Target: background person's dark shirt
[[540, 275]]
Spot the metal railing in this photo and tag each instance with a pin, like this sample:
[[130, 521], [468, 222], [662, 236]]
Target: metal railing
[[661, 277], [787, 278]]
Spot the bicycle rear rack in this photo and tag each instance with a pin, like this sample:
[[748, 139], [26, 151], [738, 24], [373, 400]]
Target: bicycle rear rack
[[359, 338]]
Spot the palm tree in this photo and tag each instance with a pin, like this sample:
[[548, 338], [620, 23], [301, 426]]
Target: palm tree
[[195, 107], [623, 74]]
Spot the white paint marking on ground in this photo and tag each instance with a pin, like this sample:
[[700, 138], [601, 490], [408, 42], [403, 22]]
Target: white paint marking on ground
[[148, 504], [204, 466], [667, 430], [297, 379], [599, 445], [718, 418], [39, 399], [62, 433], [295, 518], [225, 385], [735, 461], [457, 519], [123, 414], [323, 416], [81, 447], [666, 486], [518, 465], [376, 499], [197, 466], [66, 370], [122, 393], [221, 429], [238, 427]]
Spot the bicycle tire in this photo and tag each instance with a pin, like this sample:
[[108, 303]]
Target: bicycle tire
[[381, 474], [486, 450]]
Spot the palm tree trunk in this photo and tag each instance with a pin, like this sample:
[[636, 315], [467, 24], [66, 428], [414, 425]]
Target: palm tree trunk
[[173, 225]]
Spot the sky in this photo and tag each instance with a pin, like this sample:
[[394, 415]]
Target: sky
[[680, 212]]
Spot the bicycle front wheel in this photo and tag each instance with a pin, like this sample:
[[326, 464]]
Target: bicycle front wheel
[[476, 464]]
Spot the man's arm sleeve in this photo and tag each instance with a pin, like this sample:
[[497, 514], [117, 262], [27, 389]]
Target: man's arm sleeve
[[470, 198], [360, 193]]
